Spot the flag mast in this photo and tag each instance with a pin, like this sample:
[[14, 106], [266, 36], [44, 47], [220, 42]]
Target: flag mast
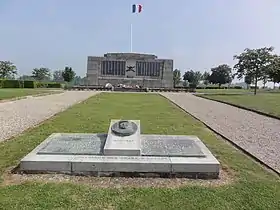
[[131, 37], [136, 8]]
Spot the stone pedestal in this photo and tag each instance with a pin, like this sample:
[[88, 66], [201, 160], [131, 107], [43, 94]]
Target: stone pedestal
[[123, 141]]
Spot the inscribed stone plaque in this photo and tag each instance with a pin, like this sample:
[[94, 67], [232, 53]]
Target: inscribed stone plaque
[[173, 146], [75, 144]]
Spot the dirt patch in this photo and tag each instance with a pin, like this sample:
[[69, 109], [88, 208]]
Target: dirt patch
[[226, 177]]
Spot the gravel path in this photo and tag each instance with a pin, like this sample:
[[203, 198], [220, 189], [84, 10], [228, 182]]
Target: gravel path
[[17, 116], [257, 134]]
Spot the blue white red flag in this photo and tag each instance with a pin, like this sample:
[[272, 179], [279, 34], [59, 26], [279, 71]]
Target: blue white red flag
[[136, 8]]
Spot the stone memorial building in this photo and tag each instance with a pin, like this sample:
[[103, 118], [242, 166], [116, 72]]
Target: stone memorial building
[[145, 70]]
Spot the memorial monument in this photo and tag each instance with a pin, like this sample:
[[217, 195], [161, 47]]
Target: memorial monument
[[130, 69], [122, 151]]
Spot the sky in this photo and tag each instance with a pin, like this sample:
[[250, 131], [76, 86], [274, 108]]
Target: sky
[[196, 34]]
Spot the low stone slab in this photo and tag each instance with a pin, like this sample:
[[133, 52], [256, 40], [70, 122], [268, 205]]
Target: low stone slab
[[84, 164], [171, 145], [151, 145], [184, 154], [74, 144]]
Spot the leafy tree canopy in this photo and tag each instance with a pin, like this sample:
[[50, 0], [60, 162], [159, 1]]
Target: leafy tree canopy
[[68, 74], [176, 77], [221, 74], [41, 73], [192, 77], [57, 76], [273, 70], [255, 63], [7, 69]]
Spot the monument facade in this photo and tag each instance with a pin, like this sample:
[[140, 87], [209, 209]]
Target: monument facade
[[144, 70]]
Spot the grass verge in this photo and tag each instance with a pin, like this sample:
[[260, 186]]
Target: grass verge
[[268, 103], [254, 187], [236, 91], [11, 93]]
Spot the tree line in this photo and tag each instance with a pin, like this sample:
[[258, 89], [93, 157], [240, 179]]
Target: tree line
[[253, 65], [8, 70]]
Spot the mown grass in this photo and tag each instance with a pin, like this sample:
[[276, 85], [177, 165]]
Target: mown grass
[[235, 91], [10, 93], [268, 103], [223, 91], [253, 188]]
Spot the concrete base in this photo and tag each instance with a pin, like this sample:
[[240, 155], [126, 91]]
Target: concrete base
[[162, 154]]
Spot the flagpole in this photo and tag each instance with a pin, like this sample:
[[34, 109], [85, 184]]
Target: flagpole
[[131, 37]]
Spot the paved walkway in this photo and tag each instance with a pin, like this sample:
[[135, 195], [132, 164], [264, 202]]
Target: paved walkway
[[257, 134], [19, 115]]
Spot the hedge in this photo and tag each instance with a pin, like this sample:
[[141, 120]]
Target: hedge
[[54, 85], [27, 84], [5, 83]]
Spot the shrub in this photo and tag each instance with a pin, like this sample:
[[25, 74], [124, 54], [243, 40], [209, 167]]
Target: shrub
[[48, 85], [29, 84], [41, 84], [1, 83], [54, 85], [11, 84], [192, 86], [211, 87]]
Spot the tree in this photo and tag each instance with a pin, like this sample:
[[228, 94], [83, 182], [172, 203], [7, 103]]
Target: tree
[[254, 62], [221, 75], [7, 69], [188, 76], [78, 81], [231, 78], [205, 78], [41, 74], [176, 77], [68, 74], [192, 77], [273, 70], [248, 80], [197, 77], [57, 76]]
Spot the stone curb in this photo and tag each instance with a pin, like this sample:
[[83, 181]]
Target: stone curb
[[227, 139]]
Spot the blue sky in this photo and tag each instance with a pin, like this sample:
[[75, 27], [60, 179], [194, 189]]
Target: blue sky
[[197, 34]]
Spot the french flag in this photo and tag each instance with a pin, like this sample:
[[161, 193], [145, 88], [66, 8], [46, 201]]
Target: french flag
[[136, 8]]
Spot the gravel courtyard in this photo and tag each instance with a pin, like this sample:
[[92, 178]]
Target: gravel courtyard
[[17, 116], [257, 134]]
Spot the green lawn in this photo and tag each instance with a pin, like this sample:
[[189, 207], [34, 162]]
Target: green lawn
[[223, 91], [253, 187], [9, 93], [265, 102], [234, 91]]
